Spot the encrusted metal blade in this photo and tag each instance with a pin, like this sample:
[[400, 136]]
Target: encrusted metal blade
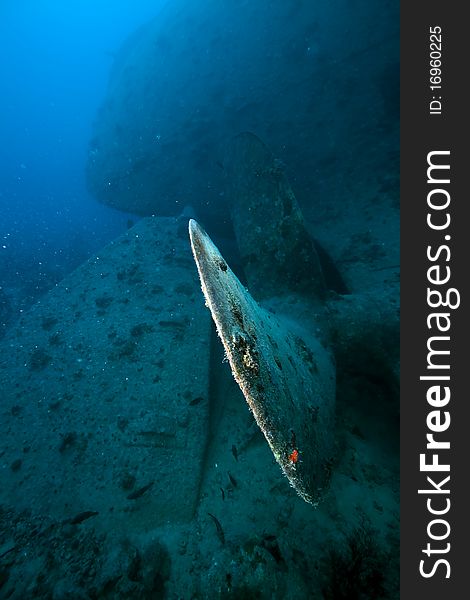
[[285, 374]]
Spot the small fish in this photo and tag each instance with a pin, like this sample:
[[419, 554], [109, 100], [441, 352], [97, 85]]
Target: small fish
[[233, 481], [83, 516], [6, 548], [218, 526], [235, 452], [138, 493], [196, 401], [223, 493]]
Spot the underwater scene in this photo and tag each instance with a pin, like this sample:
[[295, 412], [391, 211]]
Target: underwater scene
[[199, 299]]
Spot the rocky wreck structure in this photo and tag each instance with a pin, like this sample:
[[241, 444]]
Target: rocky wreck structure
[[131, 466], [322, 91]]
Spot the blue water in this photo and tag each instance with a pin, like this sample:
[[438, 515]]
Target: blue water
[[55, 61]]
